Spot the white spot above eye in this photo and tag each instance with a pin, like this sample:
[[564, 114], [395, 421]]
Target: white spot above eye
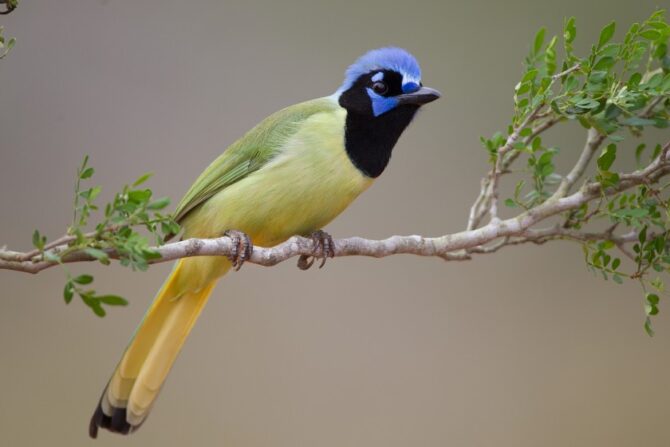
[[377, 77]]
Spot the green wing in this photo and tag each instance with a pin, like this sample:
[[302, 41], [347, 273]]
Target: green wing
[[250, 153]]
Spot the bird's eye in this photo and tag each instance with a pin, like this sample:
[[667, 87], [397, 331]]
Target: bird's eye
[[380, 87]]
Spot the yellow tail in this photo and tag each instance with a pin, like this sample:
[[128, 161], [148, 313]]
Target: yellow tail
[[132, 390]]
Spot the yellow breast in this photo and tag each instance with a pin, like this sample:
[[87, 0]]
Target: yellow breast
[[302, 189]]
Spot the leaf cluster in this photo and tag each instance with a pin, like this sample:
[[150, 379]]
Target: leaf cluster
[[131, 223], [6, 44], [618, 89]]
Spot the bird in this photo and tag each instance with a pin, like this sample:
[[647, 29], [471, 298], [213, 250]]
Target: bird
[[290, 175]]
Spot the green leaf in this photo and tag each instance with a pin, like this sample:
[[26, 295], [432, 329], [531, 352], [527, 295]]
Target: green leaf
[[550, 59], [647, 327], [159, 204], [545, 158], [638, 152], [139, 195], [606, 34], [612, 111], [143, 178], [536, 144], [654, 81], [150, 253], [97, 309], [97, 254], [658, 284], [638, 122], [83, 279], [650, 34], [68, 292], [571, 83], [642, 236], [112, 300], [657, 151], [637, 213], [650, 309], [607, 157], [634, 81], [665, 86], [604, 63], [600, 76], [606, 245], [608, 179], [510, 203], [610, 50], [588, 103], [617, 279], [38, 240], [523, 88], [87, 173], [170, 227], [569, 30], [652, 298], [539, 40], [91, 194]]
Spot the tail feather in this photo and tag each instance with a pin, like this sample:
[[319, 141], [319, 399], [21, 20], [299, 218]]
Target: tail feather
[[134, 386]]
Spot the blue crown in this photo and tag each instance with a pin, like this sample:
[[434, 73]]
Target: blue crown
[[388, 58]]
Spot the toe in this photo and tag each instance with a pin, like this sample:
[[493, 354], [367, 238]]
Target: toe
[[305, 262], [241, 249]]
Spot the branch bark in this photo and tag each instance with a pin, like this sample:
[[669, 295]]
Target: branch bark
[[593, 140]]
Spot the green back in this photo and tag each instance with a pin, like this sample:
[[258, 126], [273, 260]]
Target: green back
[[250, 152]]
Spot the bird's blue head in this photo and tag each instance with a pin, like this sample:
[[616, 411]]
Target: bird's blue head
[[381, 93], [383, 79]]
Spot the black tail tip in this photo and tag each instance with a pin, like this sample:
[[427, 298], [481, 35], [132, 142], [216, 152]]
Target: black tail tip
[[116, 423]]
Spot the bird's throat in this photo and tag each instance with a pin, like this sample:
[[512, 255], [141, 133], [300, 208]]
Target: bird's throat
[[369, 140]]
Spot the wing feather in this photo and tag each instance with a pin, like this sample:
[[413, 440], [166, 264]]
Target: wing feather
[[250, 153]]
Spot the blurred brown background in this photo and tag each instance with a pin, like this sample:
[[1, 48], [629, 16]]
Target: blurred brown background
[[521, 348]]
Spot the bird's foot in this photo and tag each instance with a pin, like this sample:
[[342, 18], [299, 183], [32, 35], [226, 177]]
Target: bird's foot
[[324, 248], [242, 248]]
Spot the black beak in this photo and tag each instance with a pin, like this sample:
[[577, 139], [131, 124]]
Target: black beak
[[420, 97]]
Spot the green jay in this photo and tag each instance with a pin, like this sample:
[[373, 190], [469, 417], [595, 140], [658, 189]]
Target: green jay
[[290, 175]]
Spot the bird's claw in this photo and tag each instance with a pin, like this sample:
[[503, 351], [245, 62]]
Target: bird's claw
[[242, 248], [324, 248]]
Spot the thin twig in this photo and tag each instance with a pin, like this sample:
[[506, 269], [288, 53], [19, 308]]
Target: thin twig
[[486, 201], [498, 167], [501, 165], [566, 72], [649, 110]]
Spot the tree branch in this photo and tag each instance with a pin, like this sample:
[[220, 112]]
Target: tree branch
[[487, 200], [593, 140], [457, 246], [483, 204]]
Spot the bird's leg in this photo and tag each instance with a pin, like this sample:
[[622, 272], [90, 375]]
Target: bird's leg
[[242, 248], [324, 248]]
